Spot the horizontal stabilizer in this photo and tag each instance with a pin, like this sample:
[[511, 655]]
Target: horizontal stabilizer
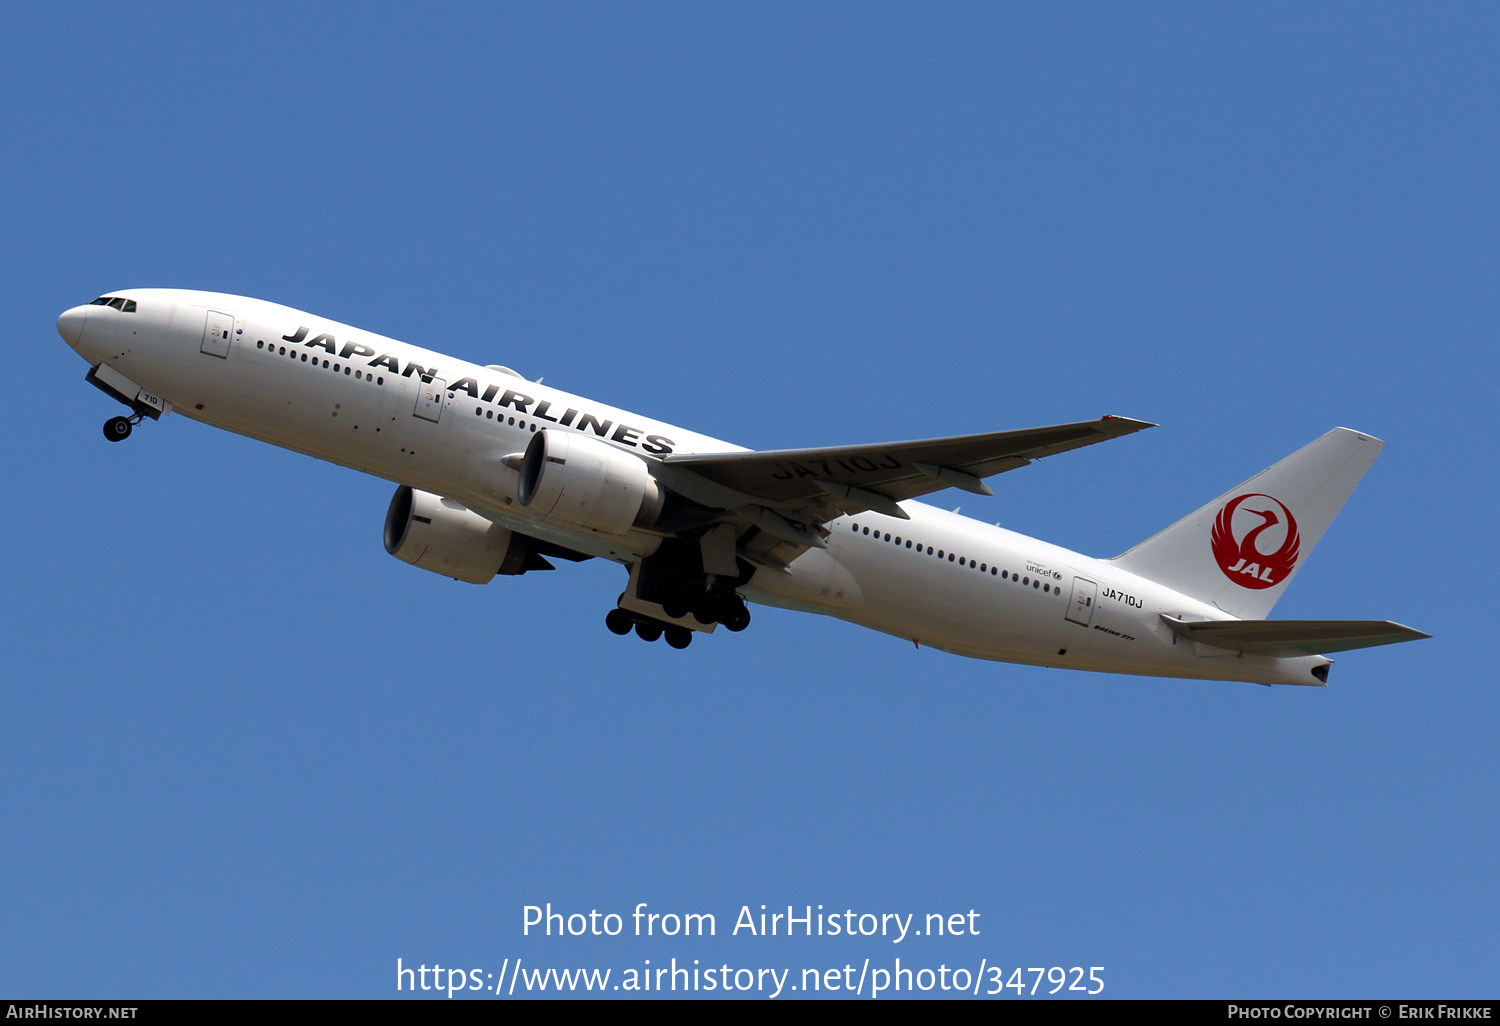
[[1292, 637]]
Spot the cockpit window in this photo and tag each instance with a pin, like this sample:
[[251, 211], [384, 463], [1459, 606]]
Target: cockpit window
[[118, 302]]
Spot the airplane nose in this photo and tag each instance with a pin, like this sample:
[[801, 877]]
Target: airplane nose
[[70, 325]]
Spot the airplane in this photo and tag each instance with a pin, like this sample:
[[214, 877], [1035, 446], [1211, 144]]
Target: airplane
[[498, 475]]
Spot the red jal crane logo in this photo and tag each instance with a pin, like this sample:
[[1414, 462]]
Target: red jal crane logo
[[1242, 561]]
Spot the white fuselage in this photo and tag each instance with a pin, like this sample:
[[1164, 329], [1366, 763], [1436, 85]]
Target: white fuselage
[[357, 399]]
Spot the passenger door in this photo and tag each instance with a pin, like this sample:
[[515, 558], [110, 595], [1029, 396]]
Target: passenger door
[[218, 334], [430, 398], [1081, 605]]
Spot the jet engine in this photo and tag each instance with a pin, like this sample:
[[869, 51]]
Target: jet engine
[[588, 482], [443, 536]]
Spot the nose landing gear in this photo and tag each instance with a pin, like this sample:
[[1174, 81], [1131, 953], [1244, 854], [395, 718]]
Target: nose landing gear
[[117, 429]]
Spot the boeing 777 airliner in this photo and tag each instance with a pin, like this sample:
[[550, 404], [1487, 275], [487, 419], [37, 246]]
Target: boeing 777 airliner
[[496, 475]]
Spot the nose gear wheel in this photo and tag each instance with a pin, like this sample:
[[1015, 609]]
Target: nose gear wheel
[[117, 429]]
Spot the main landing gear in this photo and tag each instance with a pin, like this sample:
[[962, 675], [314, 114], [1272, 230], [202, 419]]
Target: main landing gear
[[715, 604], [674, 578], [621, 622], [117, 429]]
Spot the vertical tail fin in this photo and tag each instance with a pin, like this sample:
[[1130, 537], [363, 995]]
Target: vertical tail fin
[[1241, 551]]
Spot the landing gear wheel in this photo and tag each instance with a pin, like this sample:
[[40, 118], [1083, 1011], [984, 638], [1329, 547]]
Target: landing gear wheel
[[117, 429], [678, 637], [675, 606], [738, 620], [647, 631], [618, 621]]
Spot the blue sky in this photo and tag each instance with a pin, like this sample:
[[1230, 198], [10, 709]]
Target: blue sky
[[246, 753]]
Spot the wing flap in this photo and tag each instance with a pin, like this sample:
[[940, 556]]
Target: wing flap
[[1292, 637]]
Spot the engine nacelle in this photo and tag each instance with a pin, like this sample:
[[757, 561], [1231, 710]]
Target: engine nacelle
[[588, 482], [443, 536]]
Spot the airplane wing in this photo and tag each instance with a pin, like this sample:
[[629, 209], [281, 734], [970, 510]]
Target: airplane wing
[[855, 478], [1293, 637]]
